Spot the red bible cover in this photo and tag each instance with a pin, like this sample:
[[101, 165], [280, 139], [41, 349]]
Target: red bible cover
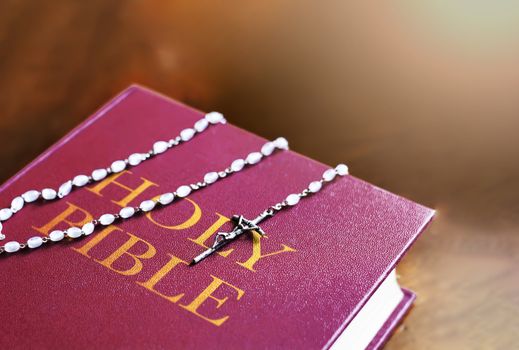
[[127, 286]]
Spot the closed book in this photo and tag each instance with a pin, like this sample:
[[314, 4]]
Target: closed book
[[322, 276]]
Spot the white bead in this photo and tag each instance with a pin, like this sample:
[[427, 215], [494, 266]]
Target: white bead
[[74, 232], [342, 169], [211, 177], [5, 214], [12, 247], [215, 118], [127, 212], [183, 191], [106, 219], [31, 196], [56, 236], [99, 174], [147, 205], [80, 180], [292, 199], [315, 186], [238, 164], [88, 229], [201, 125], [135, 159], [34, 242], [166, 198], [118, 166], [187, 134], [48, 194], [254, 157], [160, 147], [329, 175], [281, 143], [268, 148], [17, 204], [65, 189]]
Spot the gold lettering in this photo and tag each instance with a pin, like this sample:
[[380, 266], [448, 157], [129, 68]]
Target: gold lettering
[[256, 252], [66, 217], [134, 192], [150, 284], [208, 293], [197, 214], [124, 250], [98, 237]]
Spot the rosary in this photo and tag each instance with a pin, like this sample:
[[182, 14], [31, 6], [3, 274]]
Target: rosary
[[242, 225]]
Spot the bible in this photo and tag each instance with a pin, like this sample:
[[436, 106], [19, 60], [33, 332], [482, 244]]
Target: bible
[[321, 275]]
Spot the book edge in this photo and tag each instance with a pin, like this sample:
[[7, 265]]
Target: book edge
[[392, 323], [381, 279]]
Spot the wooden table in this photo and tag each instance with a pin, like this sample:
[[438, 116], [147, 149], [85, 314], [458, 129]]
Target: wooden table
[[418, 98]]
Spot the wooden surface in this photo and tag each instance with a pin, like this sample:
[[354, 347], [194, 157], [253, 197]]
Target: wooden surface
[[418, 97]]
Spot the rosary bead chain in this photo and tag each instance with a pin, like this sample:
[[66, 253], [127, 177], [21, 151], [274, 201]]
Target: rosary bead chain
[[313, 187], [117, 166], [149, 204]]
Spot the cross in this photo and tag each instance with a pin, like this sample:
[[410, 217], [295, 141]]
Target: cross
[[241, 226]]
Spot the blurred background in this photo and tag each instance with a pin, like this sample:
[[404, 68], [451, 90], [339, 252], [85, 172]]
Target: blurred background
[[418, 97]]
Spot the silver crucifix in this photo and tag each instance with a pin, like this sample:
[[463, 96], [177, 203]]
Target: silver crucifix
[[242, 225]]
